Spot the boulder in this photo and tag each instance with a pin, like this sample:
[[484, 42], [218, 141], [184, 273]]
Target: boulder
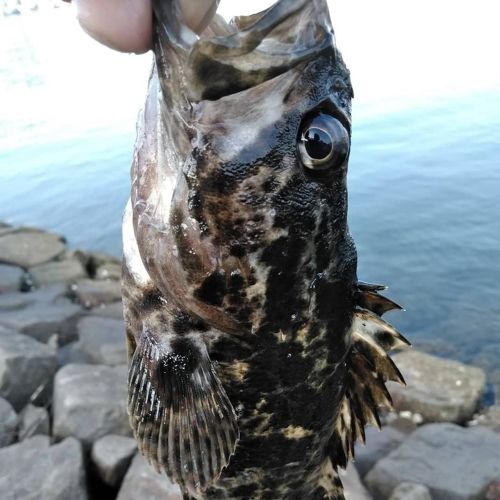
[[27, 368], [26, 247], [353, 487], [91, 293], [90, 401], [378, 445], [111, 456], [71, 353], [64, 271], [10, 278], [142, 481], [490, 418], [410, 491], [34, 470], [33, 420], [451, 461], [114, 310], [440, 390], [109, 271], [8, 423], [102, 340]]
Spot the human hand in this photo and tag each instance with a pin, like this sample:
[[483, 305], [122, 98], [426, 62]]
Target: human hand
[[126, 25]]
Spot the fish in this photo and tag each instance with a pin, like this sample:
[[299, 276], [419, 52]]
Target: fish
[[256, 356]]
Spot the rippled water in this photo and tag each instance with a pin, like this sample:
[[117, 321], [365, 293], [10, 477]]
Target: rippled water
[[424, 177]]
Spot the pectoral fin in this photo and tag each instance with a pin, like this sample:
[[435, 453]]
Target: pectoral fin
[[182, 418]]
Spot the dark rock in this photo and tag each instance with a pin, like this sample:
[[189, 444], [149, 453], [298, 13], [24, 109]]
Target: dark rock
[[453, 462], [102, 340], [111, 456], [34, 470], [141, 481], [34, 420], [27, 368], [26, 248], [8, 423], [65, 271], [71, 353], [92, 293], [410, 491], [440, 390], [378, 445], [353, 487], [90, 401], [10, 278]]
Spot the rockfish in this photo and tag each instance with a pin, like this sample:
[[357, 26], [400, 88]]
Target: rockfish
[[256, 355]]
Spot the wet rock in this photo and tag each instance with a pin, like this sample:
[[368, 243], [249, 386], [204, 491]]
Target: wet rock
[[353, 487], [114, 310], [40, 313], [109, 271], [378, 445], [451, 461], [102, 340], [65, 271], [10, 278], [34, 470], [490, 418], [92, 293], [26, 248], [8, 423], [27, 368], [440, 390], [90, 401], [111, 456], [141, 481], [33, 420], [410, 491]]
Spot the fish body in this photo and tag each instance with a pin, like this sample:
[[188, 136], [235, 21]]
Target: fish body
[[256, 356]]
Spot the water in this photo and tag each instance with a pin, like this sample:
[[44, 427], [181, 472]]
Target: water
[[424, 181]]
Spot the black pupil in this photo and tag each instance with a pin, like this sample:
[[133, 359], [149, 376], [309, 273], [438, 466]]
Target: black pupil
[[318, 143]]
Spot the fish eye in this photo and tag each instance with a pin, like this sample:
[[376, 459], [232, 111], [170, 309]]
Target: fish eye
[[323, 142]]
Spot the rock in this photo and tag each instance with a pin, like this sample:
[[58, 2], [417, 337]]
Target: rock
[[111, 456], [26, 247], [90, 401], [33, 470], [8, 423], [65, 271], [353, 487], [378, 445], [490, 418], [143, 482], [92, 293], [114, 310], [10, 278], [71, 353], [34, 420], [495, 380], [452, 461], [410, 491], [109, 271], [40, 313], [439, 389], [27, 368], [102, 340]]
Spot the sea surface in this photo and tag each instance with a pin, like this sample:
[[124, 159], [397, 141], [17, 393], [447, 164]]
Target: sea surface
[[424, 180]]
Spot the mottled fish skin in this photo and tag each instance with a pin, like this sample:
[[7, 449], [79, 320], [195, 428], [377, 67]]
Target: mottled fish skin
[[239, 278]]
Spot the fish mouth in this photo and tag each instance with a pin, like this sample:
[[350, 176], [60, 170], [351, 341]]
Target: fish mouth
[[229, 57]]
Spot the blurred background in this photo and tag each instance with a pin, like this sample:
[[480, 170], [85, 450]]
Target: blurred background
[[424, 181]]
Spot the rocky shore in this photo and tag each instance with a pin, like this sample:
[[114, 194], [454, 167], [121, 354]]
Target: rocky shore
[[64, 431]]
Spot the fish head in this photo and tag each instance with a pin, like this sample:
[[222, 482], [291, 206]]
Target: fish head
[[240, 204]]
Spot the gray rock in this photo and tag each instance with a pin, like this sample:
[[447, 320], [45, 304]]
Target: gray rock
[[40, 313], [111, 456], [102, 340], [353, 487], [71, 353], [27, 248], [440, 390], [10, 278], [143, 482], [378, 445], [65, 271], [34, 420], [8, 423], [109, 271], [91, 293], [90, 401], [490, 418], [410, 491], [114, 310], [27, 368], [33, 470], [453, 462]]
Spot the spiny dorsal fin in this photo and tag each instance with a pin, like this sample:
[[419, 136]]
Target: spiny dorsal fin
[[182, 418], [369, 367]]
